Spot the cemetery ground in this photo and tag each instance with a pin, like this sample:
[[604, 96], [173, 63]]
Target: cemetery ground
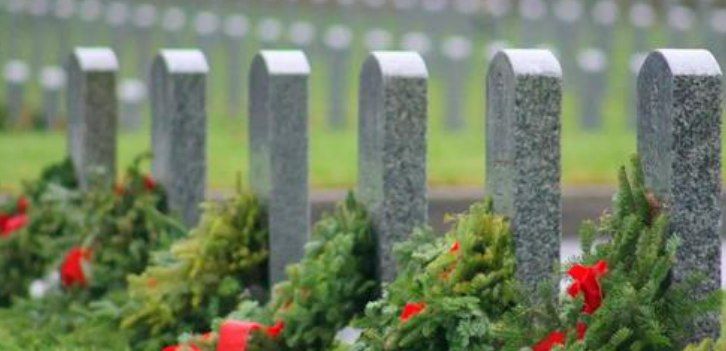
[[403, 135]]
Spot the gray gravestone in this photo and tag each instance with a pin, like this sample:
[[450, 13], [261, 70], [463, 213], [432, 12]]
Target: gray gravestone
[[680, 20], [642, 18], [132, 94], [524, 97], [392, 116], [206, 25], [117, 18], [605, 15], [533, 14], [568, 15], [16, 74], [89, 12], [52, 79], [457, 51], [173, 22], [278, 106], [593, 65], [38, 9], [144, 19], [64, 10], [302, 33], [377, 39], [497, 11], [178, 88], [337, 40], [236, 27], [92, 113], [269, 31], [679, 139], [717, 24]]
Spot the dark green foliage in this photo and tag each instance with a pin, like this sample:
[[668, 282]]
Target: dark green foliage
[[60, 174], [324, 291], [642, 308], [123, 227], [465, 280], [331, 284], [119, 226], [59, 324], [53, 226], [203, 275]]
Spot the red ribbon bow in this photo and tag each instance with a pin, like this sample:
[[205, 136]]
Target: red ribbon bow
[[234, 335], [586, 281], [411, 310], [72, 272]]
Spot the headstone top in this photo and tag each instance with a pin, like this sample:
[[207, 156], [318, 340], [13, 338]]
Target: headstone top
[[434, 5], [497, 8], [285, 62], [399, 64], [90, 10], [236, 26], [642, 15], [457, 48], [592, 60], [378, 39], [338, 37], [189, 61], [174, 19], [532, 9], [568, 11], [344, 3], [116, 13], [132, 91], [52, 77], [374, 3], [718, 21], [38, 8], [269, 30], [416, 41], [605, 12], [16, 71], [404, 5], [695, 62], [96, 59], [206, 23], [531, 62], [16, 6], [680, 18], [467, 7], [302, 33], [145, 15], [64, 9]]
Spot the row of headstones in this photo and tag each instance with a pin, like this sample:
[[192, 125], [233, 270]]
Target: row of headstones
[[591, 70], [679, 140], [132, 93], [677, 16], [207, 24]]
